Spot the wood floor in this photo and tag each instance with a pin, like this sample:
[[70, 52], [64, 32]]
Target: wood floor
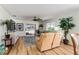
[[21, 49]]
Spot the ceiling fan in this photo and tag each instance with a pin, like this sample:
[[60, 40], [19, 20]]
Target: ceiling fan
[[36, 18]]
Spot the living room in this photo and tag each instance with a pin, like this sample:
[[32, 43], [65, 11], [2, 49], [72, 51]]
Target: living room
[[31, 20]]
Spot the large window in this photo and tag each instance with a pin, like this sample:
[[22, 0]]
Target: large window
[[52, 26]]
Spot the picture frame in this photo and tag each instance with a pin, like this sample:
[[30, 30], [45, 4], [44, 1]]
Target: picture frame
[[19, 26]]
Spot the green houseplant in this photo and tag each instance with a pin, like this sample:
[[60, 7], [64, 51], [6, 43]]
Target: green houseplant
[[8, 24], [66, 24]]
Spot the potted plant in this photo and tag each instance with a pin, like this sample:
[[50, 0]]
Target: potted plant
[[66, 24], [8, 24]]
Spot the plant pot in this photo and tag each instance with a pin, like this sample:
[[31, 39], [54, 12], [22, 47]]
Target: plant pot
[[7, 35], [65, 41]]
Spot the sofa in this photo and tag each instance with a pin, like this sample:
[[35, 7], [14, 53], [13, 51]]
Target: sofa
[[48, 41]]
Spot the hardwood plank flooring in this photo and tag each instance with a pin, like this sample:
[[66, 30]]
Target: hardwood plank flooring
[[68, 48], [21, 49], [50, 52]]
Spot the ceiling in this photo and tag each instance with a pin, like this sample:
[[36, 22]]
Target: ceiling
[[44, 11]]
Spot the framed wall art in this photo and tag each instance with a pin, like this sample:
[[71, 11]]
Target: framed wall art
[[19, 26]]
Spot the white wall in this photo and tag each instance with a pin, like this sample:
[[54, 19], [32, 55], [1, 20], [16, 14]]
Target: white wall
[[3, 16]]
